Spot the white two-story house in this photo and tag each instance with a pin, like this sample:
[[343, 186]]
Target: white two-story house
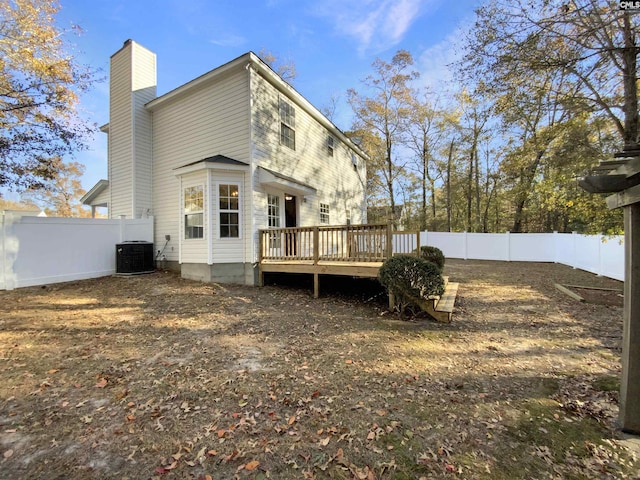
[[220, 157]]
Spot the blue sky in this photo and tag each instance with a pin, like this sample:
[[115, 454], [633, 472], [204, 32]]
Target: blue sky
[[331, 42]]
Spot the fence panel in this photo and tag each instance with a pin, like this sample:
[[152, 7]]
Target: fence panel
[[532, 247], [592, 253], [38, 251], [453, 245], [487, 246]]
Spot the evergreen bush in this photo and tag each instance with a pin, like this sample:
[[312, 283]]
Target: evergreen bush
[[433, 254], [410, 279]]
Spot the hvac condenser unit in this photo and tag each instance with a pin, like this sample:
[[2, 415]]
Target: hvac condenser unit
[[134, 257]]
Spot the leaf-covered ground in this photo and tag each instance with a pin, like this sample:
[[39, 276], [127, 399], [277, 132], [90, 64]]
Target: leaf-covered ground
[[156, 376]]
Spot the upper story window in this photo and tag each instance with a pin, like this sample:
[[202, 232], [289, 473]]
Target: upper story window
[[287, 124], [324, 213], [330, 145], [229, 210], [194, 212]]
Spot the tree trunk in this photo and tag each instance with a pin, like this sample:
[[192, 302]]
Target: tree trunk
[[392, 200], [448, 185], [630, 84], [469, 189]]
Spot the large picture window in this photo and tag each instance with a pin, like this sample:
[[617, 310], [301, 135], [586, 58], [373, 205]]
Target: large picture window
[[229, 204], [287, 124], [194, 212]]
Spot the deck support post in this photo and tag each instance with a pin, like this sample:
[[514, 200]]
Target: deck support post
[[389, 249], [392, 301], [630, 383], [316, 285]]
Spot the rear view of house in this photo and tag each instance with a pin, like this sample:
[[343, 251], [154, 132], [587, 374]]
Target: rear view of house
[[220, 157]]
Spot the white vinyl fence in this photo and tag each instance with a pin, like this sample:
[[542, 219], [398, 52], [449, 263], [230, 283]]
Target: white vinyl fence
[[597, 254], [41, 250]]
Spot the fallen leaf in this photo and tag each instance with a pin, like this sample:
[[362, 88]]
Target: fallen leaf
[[252, 465], [53, 370], [8, 453], [102, 383], [325, 441], [348, 362], [292, 420]]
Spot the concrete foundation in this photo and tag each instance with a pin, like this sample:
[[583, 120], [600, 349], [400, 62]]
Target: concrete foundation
[[239, 273]]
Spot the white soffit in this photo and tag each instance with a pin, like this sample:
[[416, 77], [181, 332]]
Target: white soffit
[[282, 182]]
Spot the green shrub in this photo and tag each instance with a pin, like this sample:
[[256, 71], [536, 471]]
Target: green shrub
[[410, 279], [433, 254]]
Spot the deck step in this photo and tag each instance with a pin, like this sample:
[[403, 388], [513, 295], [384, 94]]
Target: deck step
[[448, 298], [441, 308]]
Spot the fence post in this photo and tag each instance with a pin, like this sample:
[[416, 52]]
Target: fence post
[[3, 254], [600, 267], [507, 235], [123, 228], [574, 253], [389, 252], [556, 247], [465, 243]]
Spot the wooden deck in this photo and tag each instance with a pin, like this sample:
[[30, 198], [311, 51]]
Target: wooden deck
[[350, 250]]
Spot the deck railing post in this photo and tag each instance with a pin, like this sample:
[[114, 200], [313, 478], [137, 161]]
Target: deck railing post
[[316, 245]]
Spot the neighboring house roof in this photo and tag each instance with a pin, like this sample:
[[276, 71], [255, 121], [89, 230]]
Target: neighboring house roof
[[90, 197], [247, 60]]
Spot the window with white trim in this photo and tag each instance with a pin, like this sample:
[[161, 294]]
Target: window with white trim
[[229, 210], [324, 213], [273, 211], [330, 145], [194, 212], [287, 124], [273, 219]]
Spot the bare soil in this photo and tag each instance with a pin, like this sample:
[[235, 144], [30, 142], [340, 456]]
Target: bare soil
[[155, 376]]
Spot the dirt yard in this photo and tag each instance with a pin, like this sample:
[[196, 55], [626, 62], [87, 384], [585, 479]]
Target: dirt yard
[[158, 377]]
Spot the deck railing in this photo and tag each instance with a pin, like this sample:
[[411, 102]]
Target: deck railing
[[345, 243]]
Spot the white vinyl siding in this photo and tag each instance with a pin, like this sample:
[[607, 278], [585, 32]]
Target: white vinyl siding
[[132, 84], [209, 120], [338, 184]]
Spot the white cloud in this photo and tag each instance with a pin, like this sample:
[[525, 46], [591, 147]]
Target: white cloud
[[230, 40], [434, 63], [374, 24]]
